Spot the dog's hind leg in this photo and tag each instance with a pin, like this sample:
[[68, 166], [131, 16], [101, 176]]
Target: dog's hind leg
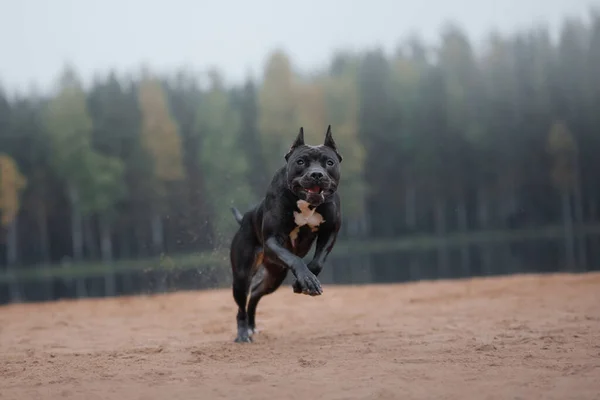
[[243, 261], [267, 280]]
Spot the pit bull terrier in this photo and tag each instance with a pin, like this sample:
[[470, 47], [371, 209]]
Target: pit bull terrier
[[301, 205]]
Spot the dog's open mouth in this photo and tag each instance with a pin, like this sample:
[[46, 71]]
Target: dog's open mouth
[[314, 189]]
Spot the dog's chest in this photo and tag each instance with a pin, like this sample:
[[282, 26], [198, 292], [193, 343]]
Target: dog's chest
[[306, 217]]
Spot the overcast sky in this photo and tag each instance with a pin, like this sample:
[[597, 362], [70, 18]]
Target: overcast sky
[[37, 37]]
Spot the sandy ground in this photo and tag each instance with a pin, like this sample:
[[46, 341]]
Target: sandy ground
[[522, 337]]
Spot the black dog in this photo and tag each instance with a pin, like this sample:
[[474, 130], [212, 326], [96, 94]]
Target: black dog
[[301, 205]]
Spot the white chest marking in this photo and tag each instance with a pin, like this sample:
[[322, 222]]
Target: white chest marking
[[306, 216]]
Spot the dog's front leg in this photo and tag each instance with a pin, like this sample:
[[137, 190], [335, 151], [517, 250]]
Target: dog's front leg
[[325, 242], [307, 281]]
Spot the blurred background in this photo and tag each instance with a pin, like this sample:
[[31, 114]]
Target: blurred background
[[469, 131]]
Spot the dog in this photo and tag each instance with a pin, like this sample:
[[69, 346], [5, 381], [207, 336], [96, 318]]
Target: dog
[[301, 205]]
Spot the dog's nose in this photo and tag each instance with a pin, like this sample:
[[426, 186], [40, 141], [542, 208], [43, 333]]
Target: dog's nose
[[317, 175]]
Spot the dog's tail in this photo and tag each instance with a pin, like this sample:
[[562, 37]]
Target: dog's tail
[[237, 215]]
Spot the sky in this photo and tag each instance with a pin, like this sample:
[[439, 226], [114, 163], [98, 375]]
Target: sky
[[39, 37]]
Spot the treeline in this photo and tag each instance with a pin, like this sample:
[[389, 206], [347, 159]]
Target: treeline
[[435, 139]]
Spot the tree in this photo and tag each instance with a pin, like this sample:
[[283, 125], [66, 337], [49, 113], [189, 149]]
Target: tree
[[277, 109], [139, 178], [70, 126], [195, 225], [5, 117], [407, 68], [463, 129], [376, 119], [564, 153], [498, 150], [29, 143], [12, 183], [311, 110], [100, 192], [575, 106], [222, 155], [341, 111], [161, 140], [592, 140], [94, 181], [114, 139], [251, 141]]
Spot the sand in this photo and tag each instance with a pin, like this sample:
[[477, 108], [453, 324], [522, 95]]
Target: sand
[[520, 337]]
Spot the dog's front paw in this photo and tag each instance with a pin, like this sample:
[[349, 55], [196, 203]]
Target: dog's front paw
[[307, 283], [313, 267]]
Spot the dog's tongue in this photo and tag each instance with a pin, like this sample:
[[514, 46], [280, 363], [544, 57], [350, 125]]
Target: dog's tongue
[[314, 189]]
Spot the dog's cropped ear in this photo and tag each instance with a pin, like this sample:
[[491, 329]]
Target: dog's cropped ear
[[329, 142], [297, 143]]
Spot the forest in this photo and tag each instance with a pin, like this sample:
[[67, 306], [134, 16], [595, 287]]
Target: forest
[[438, 139]]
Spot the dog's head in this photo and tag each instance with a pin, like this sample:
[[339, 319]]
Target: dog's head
[[313, 172]]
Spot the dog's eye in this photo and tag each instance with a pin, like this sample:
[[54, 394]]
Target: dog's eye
[[300, 162], [330, 163]]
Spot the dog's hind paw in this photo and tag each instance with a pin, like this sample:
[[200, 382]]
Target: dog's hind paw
[[243, 339], [243, 335]]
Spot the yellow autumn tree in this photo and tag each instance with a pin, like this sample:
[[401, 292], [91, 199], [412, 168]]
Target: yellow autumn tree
[[160, 138], [12, 182], [311, 110], [278, 122], [160, 134]]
